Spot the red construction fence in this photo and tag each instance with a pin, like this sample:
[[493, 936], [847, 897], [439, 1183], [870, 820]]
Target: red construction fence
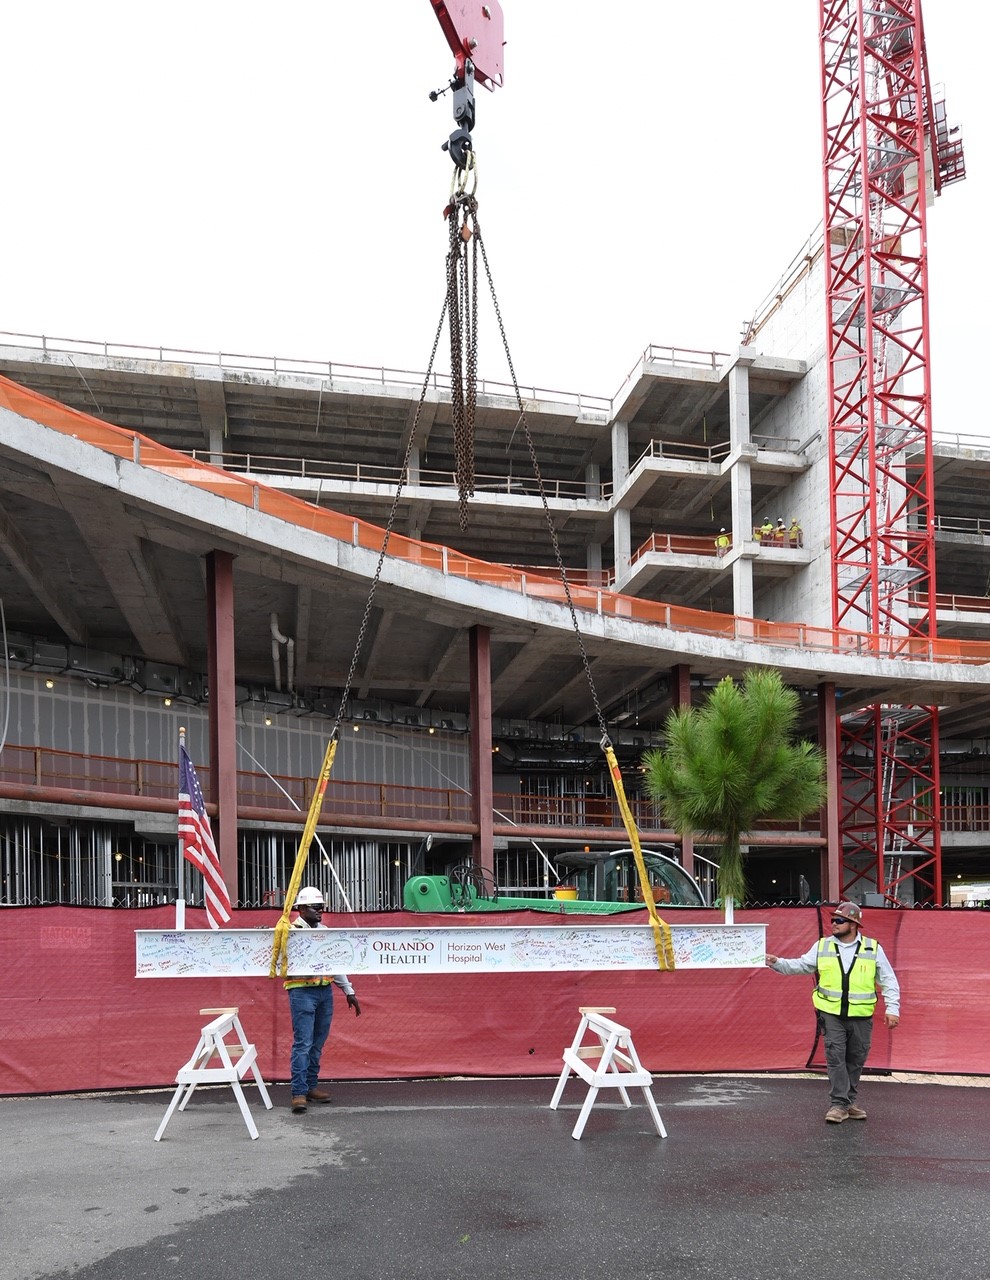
[[73, 1016]]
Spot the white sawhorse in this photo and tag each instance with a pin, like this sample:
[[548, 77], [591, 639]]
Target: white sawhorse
[[619, 1066], [212, 1044]]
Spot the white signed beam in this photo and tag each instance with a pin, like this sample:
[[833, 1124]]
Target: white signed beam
[[245, 953]]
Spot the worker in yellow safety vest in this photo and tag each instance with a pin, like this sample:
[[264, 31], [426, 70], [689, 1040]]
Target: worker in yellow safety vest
[[795, 536], [849, 969], [311, 1010], [722, 543]]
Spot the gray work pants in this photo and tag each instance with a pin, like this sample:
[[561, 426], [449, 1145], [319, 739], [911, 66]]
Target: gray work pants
[[847, 1044]]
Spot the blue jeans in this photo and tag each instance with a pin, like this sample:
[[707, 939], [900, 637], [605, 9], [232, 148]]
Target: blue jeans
[[312, 1013]]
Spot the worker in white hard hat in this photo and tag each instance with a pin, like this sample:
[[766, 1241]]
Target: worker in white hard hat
[[311, 1007], [849, 968]]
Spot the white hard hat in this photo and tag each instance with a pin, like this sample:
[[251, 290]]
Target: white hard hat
[[309, 897]]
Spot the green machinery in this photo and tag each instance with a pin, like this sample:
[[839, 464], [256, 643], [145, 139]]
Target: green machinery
[[599, 883]]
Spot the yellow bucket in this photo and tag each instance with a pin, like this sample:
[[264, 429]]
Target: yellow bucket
[[566, 892]]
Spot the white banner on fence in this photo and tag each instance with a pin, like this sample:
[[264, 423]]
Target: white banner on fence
[[245, 953]]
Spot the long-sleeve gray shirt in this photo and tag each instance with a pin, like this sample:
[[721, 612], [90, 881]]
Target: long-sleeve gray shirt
[[886, 978]]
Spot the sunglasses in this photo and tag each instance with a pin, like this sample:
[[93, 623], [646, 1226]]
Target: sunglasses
[[842, 920]]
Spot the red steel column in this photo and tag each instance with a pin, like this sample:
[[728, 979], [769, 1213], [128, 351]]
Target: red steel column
[[223, 742], [482, 792], [828, 737], [680, 696]]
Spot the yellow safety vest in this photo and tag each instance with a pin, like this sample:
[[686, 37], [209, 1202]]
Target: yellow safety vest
[[852, 994], [289, 983]]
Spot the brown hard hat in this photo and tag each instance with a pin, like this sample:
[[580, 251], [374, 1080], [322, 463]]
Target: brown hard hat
[[850, 911]]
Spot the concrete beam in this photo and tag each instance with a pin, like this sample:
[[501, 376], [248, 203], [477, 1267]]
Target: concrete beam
[[419, 423], [454, 649], [47, 594], [303, 620], [132, 577], [519, 668], [580, 677], [381, 627]]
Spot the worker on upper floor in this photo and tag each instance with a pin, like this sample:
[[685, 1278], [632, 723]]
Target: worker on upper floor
[[780, 534], [795, 535], [722, 543], [766, 533]]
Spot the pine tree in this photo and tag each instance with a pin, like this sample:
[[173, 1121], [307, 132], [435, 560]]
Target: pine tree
[[732, 762]]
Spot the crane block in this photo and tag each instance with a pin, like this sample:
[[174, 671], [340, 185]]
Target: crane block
[[474, 30]]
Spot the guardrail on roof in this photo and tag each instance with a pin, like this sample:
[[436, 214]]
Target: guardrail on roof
[[329, 370], [587, 405], [377, 473]]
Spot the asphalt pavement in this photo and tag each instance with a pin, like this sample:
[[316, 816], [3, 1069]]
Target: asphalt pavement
[[480, 1180]]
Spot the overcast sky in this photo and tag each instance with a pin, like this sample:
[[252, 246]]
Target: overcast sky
[[268, 179]]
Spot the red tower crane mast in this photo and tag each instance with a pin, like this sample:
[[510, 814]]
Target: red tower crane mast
[[887, 152]]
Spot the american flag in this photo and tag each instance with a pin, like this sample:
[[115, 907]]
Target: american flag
[[196, 839]]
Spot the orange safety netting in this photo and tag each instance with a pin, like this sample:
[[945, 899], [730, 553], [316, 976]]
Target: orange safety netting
[[73, 1016]]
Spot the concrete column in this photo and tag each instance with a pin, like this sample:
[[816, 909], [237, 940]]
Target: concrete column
[[222, 710], [739, 401], [622, 540], [593, 563], [680, 696], [412, 472], [620, 455], [740, 488], [212, 404], [593, 491], [621, 527], [828, 738], [482, 790]]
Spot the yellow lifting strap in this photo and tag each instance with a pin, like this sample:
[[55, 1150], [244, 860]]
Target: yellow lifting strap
[[661, 929], [280, 949]]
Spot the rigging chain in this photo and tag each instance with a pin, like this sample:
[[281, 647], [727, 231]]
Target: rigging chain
[[280, 956], [661, 930], [462, 309], [461, 303]]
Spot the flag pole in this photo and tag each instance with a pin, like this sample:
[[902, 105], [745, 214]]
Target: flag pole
[[180, 902]]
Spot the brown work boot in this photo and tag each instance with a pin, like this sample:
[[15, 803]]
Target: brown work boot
[[298, 1105], [836, 1115], [856, 1113], [318, 1095]]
